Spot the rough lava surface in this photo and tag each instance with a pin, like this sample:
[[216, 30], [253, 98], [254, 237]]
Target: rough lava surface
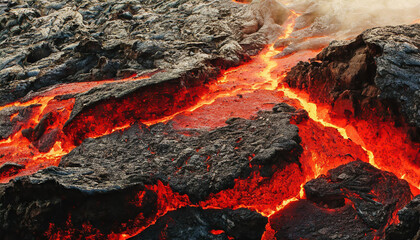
[[113, 169], [47, 43], [409, 226]]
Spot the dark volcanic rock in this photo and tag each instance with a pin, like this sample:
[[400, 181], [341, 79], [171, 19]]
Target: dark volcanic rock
[[376, 73], [305, 220], [46, 43], [12, 119], [114, 168], [353, 201], [10, 168], [409, 226], [28, 207], [195, 165], [196, 223]]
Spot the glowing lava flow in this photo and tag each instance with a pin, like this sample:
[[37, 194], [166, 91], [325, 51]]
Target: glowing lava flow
[[264, 80], [258, 83], [36, 140], [225, 87], [260, 79], [256, 193], [311, 108], [240, 92]]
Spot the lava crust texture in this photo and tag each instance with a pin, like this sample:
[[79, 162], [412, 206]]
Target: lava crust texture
[[47, 43], [110, 171]]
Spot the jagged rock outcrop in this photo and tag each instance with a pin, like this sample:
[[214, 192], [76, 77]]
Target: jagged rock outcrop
[[376, 73], [353, 201]]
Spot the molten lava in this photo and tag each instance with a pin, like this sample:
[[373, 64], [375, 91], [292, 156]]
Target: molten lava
[[39, 141]]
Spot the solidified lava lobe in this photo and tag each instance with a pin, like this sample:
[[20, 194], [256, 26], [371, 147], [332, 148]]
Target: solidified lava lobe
[[188, 172]]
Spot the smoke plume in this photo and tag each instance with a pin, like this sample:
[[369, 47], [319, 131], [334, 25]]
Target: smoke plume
[[344, 19]]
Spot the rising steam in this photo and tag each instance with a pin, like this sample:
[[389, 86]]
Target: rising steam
[[344, 19]]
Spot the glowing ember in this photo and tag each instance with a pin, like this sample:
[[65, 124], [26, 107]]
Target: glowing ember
[[217, 232]]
